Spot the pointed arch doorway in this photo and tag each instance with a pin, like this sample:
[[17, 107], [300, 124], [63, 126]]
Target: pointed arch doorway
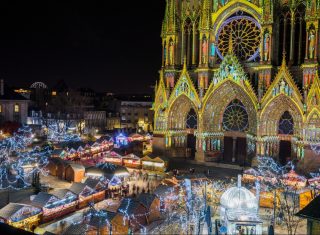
[[191, 125], [285, 130], [235, 122]]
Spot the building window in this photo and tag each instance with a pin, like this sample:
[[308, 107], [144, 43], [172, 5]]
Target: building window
[[54, 93], [0, 108], [16, 108]]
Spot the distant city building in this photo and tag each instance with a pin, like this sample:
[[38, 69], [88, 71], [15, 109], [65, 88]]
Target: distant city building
[[95, 120], [131, 113], [113, 121], [13, 106], [136, 115]]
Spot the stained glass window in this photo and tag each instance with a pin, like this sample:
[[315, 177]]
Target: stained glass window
[[286, 124], [235, 117], [245, 32]]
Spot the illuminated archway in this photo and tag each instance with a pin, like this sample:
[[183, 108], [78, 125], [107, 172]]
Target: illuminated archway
[[178, 113], [218, 102], [273, 111]]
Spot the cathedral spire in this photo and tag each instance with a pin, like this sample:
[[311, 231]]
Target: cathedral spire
[[284, 62], [314, 92], [171, 16], [205, 15], [184, 64]]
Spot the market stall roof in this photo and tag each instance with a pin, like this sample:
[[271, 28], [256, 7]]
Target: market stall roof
[[57, 152], [104, 138], [311, 211], [74, 144], [314, 179], [92, 183], [292, 175], [146, 158], [107, 170], [77, 188], [107, 216], [12, 208], [61, 193], [42, 199], [146, 199], [158, 159], [77, 167], [58, 161], [131, 156], [128, 206], [113, 153], [79, 229], [116, 170]]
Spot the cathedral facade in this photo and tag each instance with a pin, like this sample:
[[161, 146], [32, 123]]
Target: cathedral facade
[[239, 79]]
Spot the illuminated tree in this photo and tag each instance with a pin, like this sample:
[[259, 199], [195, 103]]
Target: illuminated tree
[[19, 162], [286, 196]]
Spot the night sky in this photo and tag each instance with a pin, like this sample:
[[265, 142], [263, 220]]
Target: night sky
[[111, 47]]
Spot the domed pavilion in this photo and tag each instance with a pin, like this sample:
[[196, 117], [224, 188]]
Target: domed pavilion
[[239, 211]]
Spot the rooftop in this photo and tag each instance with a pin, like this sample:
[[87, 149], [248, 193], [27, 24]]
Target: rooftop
[[311, 211]]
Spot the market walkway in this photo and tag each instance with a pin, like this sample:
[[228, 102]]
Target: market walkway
[[215, 172]]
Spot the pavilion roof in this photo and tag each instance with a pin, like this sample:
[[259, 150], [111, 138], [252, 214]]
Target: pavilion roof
[[311, 211]]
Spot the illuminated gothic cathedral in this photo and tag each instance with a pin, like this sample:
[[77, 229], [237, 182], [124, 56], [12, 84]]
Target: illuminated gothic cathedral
[[239, 79]]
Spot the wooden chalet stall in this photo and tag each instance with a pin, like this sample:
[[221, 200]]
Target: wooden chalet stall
[[294, 180], [113, 174], [21, 216], [104, 223], [131, 161], [113, 158], [56, 167], [86, 194], [314, 183], [153, 164], [74, 172], [57, 204], [98, 186]]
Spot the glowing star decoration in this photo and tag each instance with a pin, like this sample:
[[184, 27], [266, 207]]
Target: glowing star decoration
[[20, 164]]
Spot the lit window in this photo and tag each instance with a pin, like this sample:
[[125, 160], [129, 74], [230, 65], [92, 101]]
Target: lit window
[[0, 108], [16, 108], [54, 93]]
